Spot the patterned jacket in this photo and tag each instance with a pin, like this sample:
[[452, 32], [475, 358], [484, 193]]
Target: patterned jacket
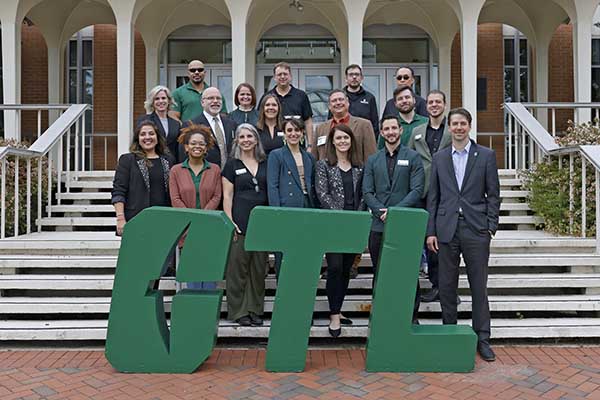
[[330, 188]]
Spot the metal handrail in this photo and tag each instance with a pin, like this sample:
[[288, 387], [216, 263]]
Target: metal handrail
[[536, 131], [51, 144], [561, 105]]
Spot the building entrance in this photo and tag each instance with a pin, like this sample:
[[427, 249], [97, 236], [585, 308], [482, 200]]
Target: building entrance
[[381, 81]]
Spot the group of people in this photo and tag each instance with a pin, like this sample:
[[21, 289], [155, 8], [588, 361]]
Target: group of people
[[188, 153]]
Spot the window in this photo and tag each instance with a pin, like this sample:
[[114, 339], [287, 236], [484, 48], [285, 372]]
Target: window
[[396, 51], [516, 68], [596, 70], [80, 77], [210, 51]]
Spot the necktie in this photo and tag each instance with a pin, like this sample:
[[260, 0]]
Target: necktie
[[220, 141]]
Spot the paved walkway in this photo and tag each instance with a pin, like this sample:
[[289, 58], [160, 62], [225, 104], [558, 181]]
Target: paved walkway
[[518, 373]]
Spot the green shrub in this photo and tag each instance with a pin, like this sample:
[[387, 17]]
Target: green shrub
[[10, 189], [548, 185]]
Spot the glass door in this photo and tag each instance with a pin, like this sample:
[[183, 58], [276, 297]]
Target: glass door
[[318, 83], [375, 82], [218, 76]]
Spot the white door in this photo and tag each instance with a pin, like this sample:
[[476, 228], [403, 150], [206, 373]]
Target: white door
[[375, 81]]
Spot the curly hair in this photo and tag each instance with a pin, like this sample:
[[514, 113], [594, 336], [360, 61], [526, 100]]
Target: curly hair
[[192, 129]]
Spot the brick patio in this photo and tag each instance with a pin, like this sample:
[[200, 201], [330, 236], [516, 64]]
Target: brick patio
[[519, 373]]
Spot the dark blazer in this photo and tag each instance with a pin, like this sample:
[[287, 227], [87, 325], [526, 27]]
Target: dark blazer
[[229, 126], [406, 187], [330, 187], [283, 180], [171, 136], [131, 184], [479, 197], [418, 143]]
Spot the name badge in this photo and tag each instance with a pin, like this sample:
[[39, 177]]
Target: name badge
[[321, 140], [419, 136], [280, 134], [403, 163], [364, 101], [241, 171]]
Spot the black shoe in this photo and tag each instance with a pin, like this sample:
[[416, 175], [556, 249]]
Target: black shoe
[[345, 321], [244, 321], [256, 320], [431, 296], [335, 332], [485, 351], [458, 300]]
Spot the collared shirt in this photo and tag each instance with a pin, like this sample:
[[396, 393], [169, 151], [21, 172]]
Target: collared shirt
[[459, 160], [391, 162], [189, 101], [407, 129], [345, 121], [294, 104], [212, 122], [433, 137], [196, 178]]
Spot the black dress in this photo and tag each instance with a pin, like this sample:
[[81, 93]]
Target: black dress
[[270, 143]]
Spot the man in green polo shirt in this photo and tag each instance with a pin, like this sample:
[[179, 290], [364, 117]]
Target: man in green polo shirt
[[188, 97], [409, 119]]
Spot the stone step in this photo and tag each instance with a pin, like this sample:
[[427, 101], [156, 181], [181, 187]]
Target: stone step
[[91, 184], [85, 196], [108, 175], [352, 303], [514, 194], [363, 281], [521, 219], [57, 261], [66, 330], [510, 182], [514, 207]]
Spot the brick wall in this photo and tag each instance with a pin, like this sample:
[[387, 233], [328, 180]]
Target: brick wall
[[105, 91], [34, 79], [560, 72]]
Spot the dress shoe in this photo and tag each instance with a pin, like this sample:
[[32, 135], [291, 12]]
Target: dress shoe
[[431, 296], [458, 300], [256, 320], [335, 332], [345, 321], [244, 321], [485, 351]]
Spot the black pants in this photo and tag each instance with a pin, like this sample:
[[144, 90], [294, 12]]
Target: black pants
[[338, 276], [475, 248], [375, 242], [433, 268]]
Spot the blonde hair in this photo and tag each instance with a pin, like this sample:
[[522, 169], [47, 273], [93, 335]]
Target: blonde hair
[[149, 103]]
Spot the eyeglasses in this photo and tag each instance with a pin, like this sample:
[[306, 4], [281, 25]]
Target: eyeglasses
[[194, 70], [354, 74], [255, 182], [213, 98], [403, 77]]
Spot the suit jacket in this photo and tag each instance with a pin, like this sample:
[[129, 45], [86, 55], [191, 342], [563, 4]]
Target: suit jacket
[[363, 133], [229, 126], [479, 196], [183, 191], [405, 189], [330, 187], [131, 184], [418, 143], [283, 180], [170, 136]]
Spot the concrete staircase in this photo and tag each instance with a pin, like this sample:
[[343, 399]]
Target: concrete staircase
[[56, 284]]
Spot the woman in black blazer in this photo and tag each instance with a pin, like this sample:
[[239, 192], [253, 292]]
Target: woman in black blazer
[[157, 104], [142, 176], [338, 186]]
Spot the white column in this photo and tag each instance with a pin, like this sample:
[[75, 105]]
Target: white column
[[444, 68], [11, 75], [468, 40], [355, 10], [541, 77], [152, 66], [55, 64], [238, 9], [582, 57], [125, 39]]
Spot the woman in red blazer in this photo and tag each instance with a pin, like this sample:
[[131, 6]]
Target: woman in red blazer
[[196, 183]]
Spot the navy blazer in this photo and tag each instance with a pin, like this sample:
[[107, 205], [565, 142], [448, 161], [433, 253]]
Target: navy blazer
[[171, 136], [479, 196], [229, 125], [283, 179], [406, 187]]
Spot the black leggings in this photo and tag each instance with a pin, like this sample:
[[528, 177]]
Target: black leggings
[[338, 276]]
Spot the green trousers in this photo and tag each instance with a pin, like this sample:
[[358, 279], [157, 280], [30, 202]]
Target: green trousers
[[245, 280]]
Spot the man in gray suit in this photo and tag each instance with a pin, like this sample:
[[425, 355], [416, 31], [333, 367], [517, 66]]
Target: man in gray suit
[[426, 140], [464, 204], [393, 177]]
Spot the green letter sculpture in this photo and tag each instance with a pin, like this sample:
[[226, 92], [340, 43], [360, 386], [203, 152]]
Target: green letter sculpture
[[394, 343], [138, 339], [303, 236]]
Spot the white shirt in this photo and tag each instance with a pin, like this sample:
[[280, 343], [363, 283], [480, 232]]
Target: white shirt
[[459, 159], [211, 121]]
